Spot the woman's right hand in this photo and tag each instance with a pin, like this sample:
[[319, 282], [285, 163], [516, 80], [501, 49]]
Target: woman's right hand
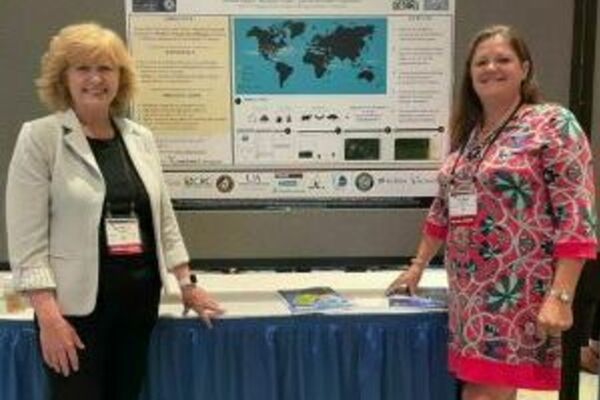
[[59, 342], [58, 339], [407, 281]]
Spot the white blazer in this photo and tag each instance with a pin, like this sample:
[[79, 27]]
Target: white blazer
[[54, 198]]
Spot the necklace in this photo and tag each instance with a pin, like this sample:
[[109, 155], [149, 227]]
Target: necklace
[[483, 134]]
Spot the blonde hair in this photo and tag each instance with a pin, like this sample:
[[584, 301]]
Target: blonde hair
[[468, 111], [86, 42]]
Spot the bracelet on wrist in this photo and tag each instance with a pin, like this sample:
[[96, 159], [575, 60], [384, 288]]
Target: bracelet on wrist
[[187, 281], [418, 262], [561, 295]]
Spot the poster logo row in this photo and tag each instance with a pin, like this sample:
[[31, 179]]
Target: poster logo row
[[302, 184]]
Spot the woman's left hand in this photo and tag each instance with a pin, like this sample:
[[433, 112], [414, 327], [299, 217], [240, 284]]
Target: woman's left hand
[[197, 299], [554, 317]]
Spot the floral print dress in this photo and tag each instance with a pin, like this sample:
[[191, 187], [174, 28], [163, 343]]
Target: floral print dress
[[535, 196]]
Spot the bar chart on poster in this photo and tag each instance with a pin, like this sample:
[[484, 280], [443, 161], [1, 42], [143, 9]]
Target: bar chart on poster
[[295, 99]]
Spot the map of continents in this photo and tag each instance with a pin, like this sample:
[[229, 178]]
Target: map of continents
[[310, 56]]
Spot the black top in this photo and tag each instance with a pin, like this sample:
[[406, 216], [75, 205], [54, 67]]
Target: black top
[[124, 191]]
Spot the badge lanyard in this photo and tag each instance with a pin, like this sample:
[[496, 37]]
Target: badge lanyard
[[123, 233], [462, 200]]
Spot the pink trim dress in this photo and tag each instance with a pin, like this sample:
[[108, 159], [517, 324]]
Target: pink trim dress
[[535, 203]]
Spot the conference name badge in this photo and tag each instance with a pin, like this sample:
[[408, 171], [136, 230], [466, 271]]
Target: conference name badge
[[462, 206], [123, 236]]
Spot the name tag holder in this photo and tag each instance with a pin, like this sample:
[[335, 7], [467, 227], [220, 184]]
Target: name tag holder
[[462, 197], [462, 204], [123, 233]]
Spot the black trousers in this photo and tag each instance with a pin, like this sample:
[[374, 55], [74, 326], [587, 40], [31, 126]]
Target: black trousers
[[585, 307], [116, 335]]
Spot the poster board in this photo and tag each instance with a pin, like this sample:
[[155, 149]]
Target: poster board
[[262, 100]]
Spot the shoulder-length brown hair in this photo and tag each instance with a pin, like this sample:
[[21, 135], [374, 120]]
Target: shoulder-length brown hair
[[86, 42], [467, 110]]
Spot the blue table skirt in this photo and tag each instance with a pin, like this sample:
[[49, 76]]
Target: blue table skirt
[[309, 357]]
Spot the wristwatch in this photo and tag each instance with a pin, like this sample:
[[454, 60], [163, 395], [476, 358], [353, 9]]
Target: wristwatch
[[187, 281], [562, 295]]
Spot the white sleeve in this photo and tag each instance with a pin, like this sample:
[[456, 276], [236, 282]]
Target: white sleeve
[[27, 213]]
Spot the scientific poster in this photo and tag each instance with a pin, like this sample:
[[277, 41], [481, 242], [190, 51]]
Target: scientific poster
[[295, 99]]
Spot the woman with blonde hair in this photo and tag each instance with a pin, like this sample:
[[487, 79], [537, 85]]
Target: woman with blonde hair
[[91, 230]]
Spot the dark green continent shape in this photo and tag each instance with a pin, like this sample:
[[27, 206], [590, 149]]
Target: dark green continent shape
[[345, 43]]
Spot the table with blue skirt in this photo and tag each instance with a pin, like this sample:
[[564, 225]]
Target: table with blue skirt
[[259, 350], [299, 357]]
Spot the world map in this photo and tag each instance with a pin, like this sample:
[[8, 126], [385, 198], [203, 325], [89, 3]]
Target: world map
[[337, 56]]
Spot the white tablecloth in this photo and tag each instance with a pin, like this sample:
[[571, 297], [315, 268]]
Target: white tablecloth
[[250, 294]]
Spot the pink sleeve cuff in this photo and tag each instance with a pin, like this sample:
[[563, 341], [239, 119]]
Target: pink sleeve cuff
[[585, 250], [436, 231]]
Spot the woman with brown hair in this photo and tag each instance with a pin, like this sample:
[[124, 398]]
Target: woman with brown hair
[[515, 211]]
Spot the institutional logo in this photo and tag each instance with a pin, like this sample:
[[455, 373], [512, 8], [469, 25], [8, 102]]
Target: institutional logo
[[154, 5], [225, 183], [364, 181]]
